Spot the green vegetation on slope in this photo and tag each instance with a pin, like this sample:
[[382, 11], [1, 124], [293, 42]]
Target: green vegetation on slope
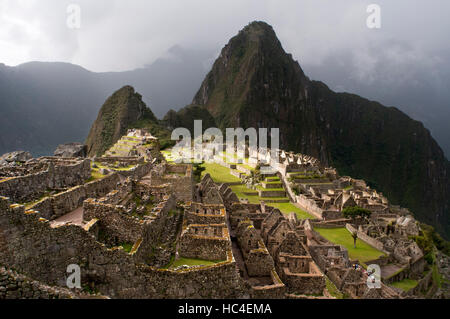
[[405, 284], [123, 110], [332, 289]]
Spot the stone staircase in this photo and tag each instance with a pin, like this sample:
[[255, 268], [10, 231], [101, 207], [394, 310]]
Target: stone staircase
[[125, 146]]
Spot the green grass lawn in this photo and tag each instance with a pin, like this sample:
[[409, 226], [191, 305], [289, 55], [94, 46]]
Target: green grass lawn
[[341, 236], [287, 208], [405, 284], [219, 173], [191, 262]]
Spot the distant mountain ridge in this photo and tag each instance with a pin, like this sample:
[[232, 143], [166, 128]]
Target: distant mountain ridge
[[44, 104]]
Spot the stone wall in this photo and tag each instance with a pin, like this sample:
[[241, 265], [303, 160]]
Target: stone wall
[[259, 262], [16, 286], [160, 230], [130, 160], [180, 178], [422, 287], [274, 291], [43, 253], [57, 205], [29, 245], [309, 205], [304, 283], [242, 211], [205, 246], [137, 172], [216, 281], [414, 270], [331, 215], [32, 186], [205, 214], [115, 226]]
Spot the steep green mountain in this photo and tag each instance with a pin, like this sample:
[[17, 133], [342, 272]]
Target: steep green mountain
[[255, 83], [121, 111]]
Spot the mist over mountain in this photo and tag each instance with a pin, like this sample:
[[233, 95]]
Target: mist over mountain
[[417, 85], [44, 104]]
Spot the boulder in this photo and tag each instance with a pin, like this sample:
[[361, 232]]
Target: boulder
[[17, 156], [71, 150]]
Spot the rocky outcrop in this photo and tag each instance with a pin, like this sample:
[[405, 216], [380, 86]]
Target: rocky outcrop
[[71, 150], [255, 83], [17, 156], [121, 110]]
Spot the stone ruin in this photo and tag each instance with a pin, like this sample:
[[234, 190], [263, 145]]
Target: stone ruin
[[138, 143], [127, 219]]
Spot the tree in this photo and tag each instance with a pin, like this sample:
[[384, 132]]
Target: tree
[[355, 212], [198, 169], [355, 237]]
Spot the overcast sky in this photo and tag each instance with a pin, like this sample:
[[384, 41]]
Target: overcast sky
[[405, 62], [118, 35]]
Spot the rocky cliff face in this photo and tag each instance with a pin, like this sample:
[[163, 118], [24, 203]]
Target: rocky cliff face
[[255, 83], [121, 111]]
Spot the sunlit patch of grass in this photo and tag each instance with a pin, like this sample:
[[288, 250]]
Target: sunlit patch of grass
[[405, 284], [219, 173], [341, 236]]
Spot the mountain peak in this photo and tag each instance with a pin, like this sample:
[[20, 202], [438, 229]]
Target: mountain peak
[[257, 32], [258, 28], [123, 109], [251, 65]]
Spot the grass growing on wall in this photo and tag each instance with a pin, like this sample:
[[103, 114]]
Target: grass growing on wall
[[127, 247], [95, 175], [405, 284], [341, 236], [332, 289]]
